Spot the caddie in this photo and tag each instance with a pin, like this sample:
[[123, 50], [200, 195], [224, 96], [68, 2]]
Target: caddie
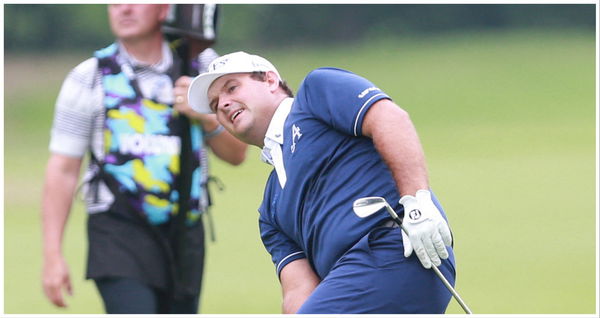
[[341, 138], [144, 188]]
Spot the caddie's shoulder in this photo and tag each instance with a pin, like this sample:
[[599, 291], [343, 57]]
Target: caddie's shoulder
[[86, 72], [88, 66], [205, 58]]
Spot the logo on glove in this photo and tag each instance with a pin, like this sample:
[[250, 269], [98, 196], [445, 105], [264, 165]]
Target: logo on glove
[[414, 214]]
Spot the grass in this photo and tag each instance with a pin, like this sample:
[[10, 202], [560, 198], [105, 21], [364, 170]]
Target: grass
[[507, 123]]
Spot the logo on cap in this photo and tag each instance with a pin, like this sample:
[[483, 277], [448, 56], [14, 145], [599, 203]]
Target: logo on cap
[[218, 64]]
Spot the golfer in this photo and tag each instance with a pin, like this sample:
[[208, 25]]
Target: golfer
[[341, 138]]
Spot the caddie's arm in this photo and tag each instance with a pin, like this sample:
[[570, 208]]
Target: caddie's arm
[[62, 174], [298, 281], [396, 139], [226, 146], [221, 142]]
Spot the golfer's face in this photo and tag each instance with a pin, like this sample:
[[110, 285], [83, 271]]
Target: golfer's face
[[243, 105], [135, 21]]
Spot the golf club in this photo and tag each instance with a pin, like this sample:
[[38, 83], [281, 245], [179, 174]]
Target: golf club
[[364, 207]]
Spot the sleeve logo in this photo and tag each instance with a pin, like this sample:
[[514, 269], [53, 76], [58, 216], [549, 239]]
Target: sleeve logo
[[367, 91]]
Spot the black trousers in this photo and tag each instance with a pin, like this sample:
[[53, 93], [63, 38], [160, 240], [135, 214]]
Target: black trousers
[[130, 296]]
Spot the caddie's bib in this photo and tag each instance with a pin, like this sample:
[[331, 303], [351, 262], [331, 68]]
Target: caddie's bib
[[142, 146]]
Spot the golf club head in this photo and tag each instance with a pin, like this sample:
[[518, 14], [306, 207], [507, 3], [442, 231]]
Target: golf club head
[[364, 207]]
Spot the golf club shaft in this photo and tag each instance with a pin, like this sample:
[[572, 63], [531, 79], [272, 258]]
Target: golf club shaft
[[435, 269], [454, 293]]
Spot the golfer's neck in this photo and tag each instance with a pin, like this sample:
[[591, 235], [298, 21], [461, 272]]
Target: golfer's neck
[[146, 50]]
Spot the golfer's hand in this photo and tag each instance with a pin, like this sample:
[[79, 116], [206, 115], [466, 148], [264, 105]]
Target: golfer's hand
[[56, 279], [425, 230]]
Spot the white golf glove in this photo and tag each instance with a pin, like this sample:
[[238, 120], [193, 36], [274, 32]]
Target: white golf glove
[[425, 230]]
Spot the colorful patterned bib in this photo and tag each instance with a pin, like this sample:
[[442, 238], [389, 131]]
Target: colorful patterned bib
[[142, 146]]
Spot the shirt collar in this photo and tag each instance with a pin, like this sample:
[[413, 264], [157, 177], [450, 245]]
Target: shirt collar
[[274, 136], [275, 130], [161, 66]]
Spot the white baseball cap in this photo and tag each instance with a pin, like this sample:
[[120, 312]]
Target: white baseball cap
[[238, 62]]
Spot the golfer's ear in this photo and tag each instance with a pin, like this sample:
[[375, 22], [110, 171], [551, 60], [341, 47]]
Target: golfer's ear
[[272, 80]]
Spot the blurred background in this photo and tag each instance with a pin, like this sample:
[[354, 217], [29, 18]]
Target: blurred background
[[503, 96]]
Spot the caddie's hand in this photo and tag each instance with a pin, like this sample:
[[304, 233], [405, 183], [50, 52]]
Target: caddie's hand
[[55, 279], [425, 230], [180, 91]]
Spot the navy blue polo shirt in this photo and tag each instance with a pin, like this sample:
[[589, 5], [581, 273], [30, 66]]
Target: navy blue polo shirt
[[328, 164]]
